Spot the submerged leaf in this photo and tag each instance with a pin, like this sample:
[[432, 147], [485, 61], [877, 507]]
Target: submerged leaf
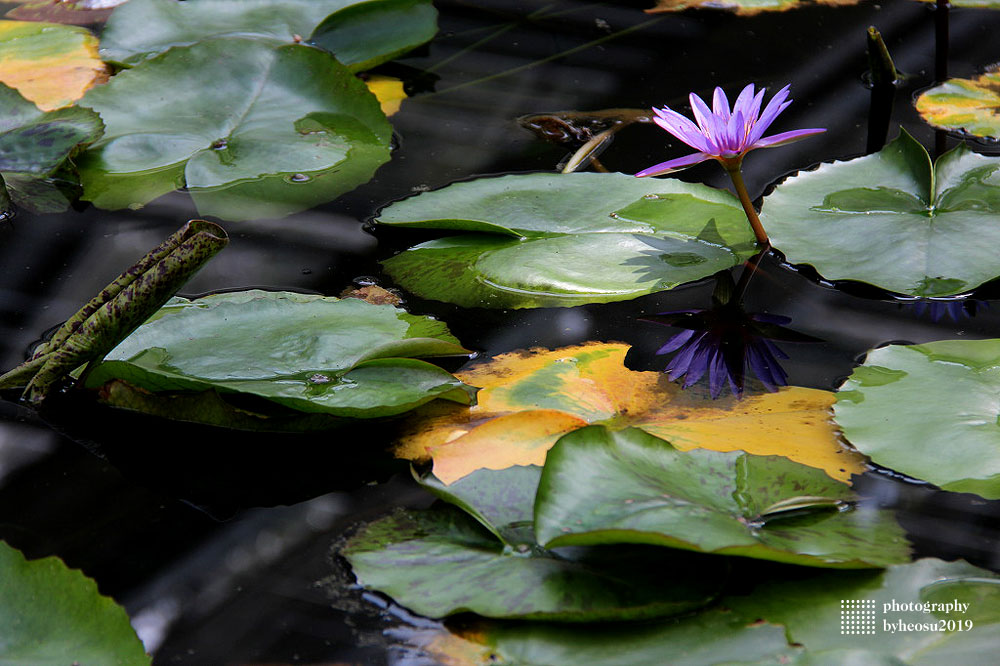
[[51, 65], [929, 411], [530, 399], [901, 223], [310, 353], [544, 240], [281, 129], [971, 106], [51, 615], [604, 487]]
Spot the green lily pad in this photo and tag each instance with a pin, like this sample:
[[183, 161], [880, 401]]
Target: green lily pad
[[361, 34], [311, 353], [746, 628], [370, 33], [34, 144], [51, 615], [546, 240], [710, 637], [503, 501], [604, 487], [893, 219], [812, 608], [971, 106], [929, 411], [441, 561], [280, 129]]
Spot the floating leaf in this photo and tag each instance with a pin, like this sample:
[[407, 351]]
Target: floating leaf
[[311, 353], [282, 128], [711, 637], [366, 34], [604, 487], [530, 399], [389, 92], [745, 629], [893, 220], [73, 12], [929, 411], [562, 240], [440, 562], [811, 607], [360, 34], [502, 501], [210, 408], [741, 7], [51, 65], [971, 106], [51, 615], [34, 144]]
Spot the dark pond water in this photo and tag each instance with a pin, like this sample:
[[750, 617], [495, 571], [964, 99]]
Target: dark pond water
[[214, 543]]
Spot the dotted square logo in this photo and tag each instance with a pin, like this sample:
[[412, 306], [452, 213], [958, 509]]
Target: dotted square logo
[[857, 616]]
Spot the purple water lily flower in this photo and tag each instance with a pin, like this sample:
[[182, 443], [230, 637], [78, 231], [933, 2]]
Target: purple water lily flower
[[726, 136], [722, 134]]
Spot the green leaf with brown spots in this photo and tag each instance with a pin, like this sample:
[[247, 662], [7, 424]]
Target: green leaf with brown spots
[[441, 561], [791, 616], [606, 487]]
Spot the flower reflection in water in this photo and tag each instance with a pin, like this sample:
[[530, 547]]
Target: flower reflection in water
[[954, 309], [723, 342]]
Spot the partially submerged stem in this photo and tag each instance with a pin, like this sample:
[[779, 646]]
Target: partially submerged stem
[[741, 192], [118, 309], [884, 76]]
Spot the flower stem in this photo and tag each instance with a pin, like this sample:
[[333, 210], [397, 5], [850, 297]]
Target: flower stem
[[741, 192]]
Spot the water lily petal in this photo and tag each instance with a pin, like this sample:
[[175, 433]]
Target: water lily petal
[[674, 165], [682, 128], [701, 112], [744, 102], [786, 137], [720, 103], [776, 105]]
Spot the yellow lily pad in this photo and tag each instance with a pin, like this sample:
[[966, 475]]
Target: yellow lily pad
[[971, 106], [51, 65], [530, 399], [388, 90], [741, 7]]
